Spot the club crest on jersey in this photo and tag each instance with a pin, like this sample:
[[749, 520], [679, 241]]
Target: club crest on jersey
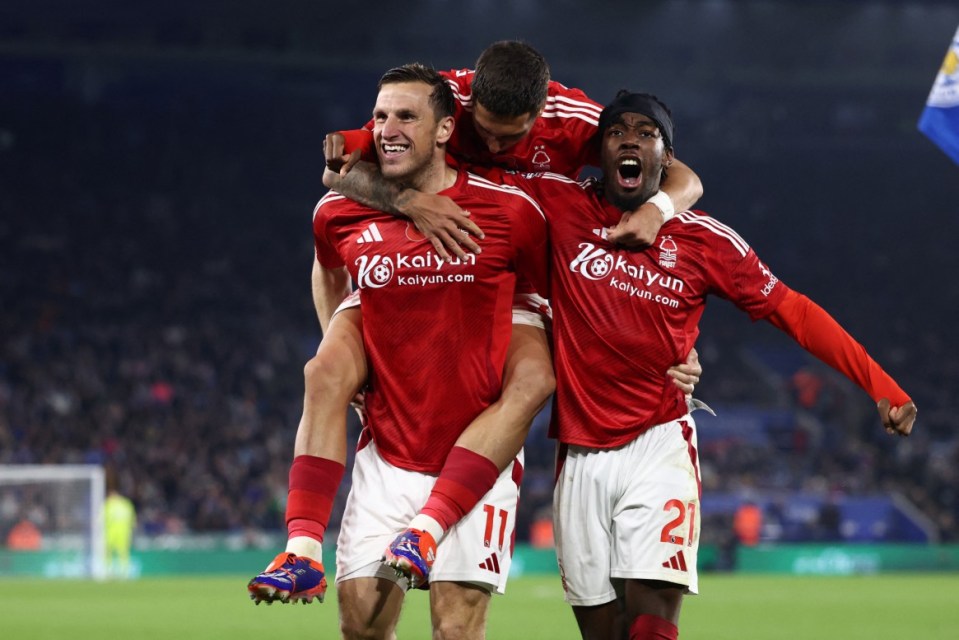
[[414, 234], [540, 158], [667, 252], [374, 271]]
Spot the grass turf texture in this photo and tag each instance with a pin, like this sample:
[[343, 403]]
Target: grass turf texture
[[732, 607]]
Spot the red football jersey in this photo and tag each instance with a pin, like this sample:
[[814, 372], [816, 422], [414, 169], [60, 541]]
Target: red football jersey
[[562, 140], [435, 333], [621, 317]]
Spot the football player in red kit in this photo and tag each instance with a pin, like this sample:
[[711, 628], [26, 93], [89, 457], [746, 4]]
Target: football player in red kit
[[436, 335], [626, 504], [510, 113]]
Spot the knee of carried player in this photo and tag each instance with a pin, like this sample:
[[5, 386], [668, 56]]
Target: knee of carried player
[[323, 372], [530, 382]]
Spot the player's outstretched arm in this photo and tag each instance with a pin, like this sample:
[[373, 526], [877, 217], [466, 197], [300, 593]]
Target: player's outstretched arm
[[819, 333], [680, 190], [437, 217]]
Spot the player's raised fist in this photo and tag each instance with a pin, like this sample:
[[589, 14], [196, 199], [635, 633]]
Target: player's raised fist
[[898, 420]]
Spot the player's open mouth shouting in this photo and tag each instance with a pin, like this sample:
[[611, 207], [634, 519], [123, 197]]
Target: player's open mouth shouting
[[629, 171]]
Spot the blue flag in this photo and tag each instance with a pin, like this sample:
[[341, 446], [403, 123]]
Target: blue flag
[[940, 119]]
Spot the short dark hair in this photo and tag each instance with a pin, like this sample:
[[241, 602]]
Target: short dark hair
[[441, 98], [511, 79]]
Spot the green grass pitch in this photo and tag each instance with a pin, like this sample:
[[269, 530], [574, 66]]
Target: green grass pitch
[[730, 607]]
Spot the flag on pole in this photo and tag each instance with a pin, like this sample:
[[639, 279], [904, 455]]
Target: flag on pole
[[940, 119]]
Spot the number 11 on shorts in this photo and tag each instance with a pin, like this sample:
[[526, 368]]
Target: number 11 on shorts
[[491, 512]]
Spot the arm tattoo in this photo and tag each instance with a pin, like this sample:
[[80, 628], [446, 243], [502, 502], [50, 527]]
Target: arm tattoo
[[366, 185]]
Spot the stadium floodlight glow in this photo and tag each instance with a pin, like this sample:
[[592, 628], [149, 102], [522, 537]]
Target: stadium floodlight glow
[[65, 504]]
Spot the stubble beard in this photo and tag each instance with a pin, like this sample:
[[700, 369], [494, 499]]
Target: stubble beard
[[422, 176], [630, 201]]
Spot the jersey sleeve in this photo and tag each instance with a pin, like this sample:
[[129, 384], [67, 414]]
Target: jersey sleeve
[[361, 139], [819, 333], [531, 241], [581, 115], [734, 270], [461, 82], [326, 253]]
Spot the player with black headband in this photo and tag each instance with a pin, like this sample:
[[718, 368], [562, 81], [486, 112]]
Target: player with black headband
[[510, 114], [626, 505]]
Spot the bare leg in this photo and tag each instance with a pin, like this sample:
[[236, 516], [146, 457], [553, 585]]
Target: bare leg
[[369, 608], [500, 431], [600, 622], [333, 377], [662, 599], [459, 611], [643, 597], [486, 448]]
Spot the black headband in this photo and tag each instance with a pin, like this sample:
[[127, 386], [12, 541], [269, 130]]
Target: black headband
[[642, 103]]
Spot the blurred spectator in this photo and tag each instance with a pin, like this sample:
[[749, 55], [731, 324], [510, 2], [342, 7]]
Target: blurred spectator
[[156, 308], [748, 523], [828, 526], [25, 536], [541, 531]]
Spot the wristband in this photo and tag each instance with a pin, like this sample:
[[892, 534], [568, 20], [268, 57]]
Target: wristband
[[664, 203], [361, 139]]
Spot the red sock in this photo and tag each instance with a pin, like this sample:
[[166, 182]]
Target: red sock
[[313, 485], [650, 627], [466, 477]]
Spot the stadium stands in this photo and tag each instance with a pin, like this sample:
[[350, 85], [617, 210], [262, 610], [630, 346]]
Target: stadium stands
[[156, 247]]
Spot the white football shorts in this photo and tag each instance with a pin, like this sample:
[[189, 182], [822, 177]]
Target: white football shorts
[[477, 550], [528, 308], [532, 309], [349, 302], [629, 513]]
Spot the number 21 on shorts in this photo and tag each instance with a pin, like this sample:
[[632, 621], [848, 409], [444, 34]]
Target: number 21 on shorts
[[681, 529]]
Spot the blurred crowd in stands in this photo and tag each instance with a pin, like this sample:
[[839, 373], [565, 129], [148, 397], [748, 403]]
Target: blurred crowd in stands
[[156, 310]]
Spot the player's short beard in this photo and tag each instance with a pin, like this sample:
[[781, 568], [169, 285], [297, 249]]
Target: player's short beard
[[421, 176], [629, 202], [407, 176]]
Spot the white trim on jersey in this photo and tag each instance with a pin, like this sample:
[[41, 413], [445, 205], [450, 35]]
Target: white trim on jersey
[[558, 177], [465, 99], [583, 184], [574, 105], [329, 197], [569, 116], [560, 107], [477, 181], [716, 227]]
